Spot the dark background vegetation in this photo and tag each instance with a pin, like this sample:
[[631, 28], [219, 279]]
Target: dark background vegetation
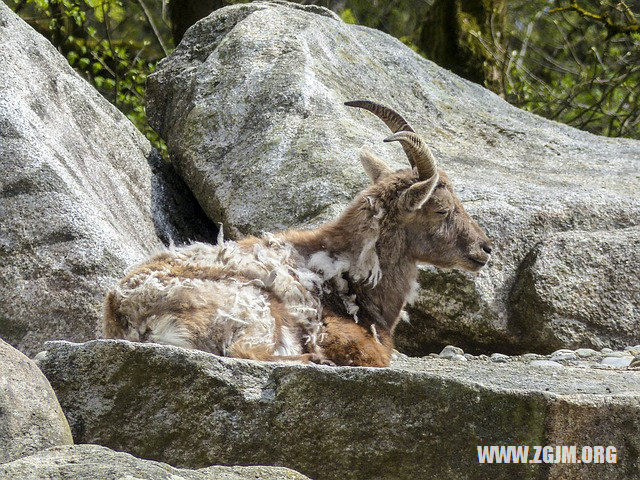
[[576, 62]]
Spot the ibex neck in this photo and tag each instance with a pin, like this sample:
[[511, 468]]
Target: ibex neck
[[394, 289], [380, 272]]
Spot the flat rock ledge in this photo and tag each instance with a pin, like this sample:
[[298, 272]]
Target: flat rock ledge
[[91, 462], [420, 418]]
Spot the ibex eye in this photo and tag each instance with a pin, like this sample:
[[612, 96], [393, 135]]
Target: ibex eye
[[442, 212]]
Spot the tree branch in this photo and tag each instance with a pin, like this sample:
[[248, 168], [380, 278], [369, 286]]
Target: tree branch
[[154, 27], [613, 28]]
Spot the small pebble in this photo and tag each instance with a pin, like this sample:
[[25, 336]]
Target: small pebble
[[545, 363], [449, 351], [618, 354], [532, 356], [459, 358], [635, 350], [582, 365], [562, 351], [396, 355], [41, 356], [499, 357], [586, 352], [563, 356], [635, 363], [619, 362]]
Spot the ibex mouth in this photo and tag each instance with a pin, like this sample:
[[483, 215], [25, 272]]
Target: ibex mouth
[[479, 263]]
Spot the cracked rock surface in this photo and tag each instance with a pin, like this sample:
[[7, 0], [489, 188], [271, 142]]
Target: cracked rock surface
[[192, 409], [92, 462], [79, 202], [75, 193], [30, 416]]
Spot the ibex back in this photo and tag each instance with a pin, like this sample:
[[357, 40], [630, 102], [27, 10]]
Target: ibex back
[[330, 295]]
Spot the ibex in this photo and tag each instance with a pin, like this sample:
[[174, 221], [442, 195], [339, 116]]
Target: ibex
[[331, 295]]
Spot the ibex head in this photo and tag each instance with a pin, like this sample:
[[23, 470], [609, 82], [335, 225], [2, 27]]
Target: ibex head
[[435, 227]]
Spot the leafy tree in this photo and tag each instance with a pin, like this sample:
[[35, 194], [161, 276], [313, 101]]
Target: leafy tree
[[463, 36], [114, 44], [575, 62], [184, 13]]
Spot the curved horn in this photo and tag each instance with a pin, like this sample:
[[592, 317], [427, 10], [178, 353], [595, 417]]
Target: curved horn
[[418, 153], [391, 118]]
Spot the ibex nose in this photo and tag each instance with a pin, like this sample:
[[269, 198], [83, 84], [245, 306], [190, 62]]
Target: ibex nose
[[487, 248]]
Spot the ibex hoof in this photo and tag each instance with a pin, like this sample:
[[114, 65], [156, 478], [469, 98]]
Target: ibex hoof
[[320, 360]]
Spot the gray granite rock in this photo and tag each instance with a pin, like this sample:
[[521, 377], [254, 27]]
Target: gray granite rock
[[75, 193], [499, 358], [586, 352], [177, 216], [421, 418], [620, 362], [450, 351], [30, 416], [579, 288], [92, 462], [546, 364], [251, 107]]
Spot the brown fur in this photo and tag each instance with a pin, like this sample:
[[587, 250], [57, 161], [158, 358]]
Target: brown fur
[[451, 240], [440, 233], [112, 324], [266, 353], [350, 343]]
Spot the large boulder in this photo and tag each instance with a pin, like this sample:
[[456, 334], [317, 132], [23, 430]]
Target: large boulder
[[421, 418], [576, 288], [251, 107], [91, 462], [79, 202], [30, 416]]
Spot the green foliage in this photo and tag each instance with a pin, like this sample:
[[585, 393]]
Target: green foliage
[[347, 16], [111, 43], [583, 70], [546, 57], [400, 18], [571, 68]]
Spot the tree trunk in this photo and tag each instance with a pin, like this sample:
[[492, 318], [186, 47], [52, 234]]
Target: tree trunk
[[468, 38], [184, 13]]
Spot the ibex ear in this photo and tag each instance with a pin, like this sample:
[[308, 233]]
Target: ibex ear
[[417, 194], [375, 168]]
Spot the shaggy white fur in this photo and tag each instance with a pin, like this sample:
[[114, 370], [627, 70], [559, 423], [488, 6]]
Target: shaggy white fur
[[167, 330], [163, 305], [364, 266], [332, 270], [367, 266], [236, 301], [412, 296]]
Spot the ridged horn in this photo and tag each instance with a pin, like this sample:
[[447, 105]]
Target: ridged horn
[[418, 153], [390, 117]]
